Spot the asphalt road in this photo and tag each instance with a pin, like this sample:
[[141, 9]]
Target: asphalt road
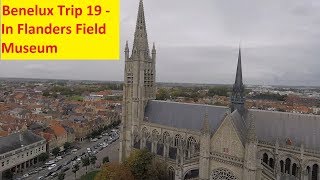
[[112, 150]]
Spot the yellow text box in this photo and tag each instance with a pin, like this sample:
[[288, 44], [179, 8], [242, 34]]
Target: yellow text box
[[60, 29]]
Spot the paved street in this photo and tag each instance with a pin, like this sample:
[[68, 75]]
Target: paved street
[[112, 150]]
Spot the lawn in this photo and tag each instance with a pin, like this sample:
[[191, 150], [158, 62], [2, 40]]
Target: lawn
[[89, 176]]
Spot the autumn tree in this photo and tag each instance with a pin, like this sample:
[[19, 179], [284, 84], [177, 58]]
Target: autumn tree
[[114, 171]]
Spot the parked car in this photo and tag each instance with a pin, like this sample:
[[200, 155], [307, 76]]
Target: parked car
[[50, 162], [74, 150], [52, 166], [40, 177], [58, 157]]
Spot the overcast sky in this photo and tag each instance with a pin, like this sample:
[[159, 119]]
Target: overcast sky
[[197, 41]]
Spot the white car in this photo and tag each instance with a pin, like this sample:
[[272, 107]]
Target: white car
[[94, 140], [74, 150], [25, 175], [50, 162], [40, 177], [59, 158], [52, 166]]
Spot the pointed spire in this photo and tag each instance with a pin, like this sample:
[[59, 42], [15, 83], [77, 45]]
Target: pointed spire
[[154, 48], [140, 36], [127, 46], [237, 97], [238, 81], [206, 124]]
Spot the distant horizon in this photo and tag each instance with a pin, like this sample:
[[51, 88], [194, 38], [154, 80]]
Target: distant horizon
[[160, 82], [279, 48]]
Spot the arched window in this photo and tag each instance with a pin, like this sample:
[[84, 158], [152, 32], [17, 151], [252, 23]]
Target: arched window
[[192, 174], [145, 132], [315, 170], [281, 166], [155, 134], [287, 166], [171, 173], [271, 163], [191, 142], [308, 170], [294, 169], [265, 158], [177, 140], [136, 143], [166, 136]]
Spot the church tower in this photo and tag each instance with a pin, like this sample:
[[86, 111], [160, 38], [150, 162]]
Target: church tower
[[237, 97], [139, 83]]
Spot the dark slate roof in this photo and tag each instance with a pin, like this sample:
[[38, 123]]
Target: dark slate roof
[[12, 141], [299, 128], [184, 115]]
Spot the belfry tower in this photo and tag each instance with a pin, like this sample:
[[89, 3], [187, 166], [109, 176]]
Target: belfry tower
[[139, 83]]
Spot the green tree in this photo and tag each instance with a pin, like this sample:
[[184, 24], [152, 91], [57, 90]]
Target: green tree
[[93, 160], [219, 91], [85, 163], [46, 93], [105, 160], [140, 162], [61, 176], [67, 145], [55, 151], [75, 169], [158, 170], [162, 94], [43, 157]]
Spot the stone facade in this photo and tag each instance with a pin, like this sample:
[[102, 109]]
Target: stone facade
[[20, 151], [231, 143]]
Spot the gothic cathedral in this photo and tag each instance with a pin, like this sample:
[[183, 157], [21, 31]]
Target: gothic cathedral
[[212, 142]]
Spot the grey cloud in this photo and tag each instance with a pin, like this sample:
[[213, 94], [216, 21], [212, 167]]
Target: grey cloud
[[197, 41]]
